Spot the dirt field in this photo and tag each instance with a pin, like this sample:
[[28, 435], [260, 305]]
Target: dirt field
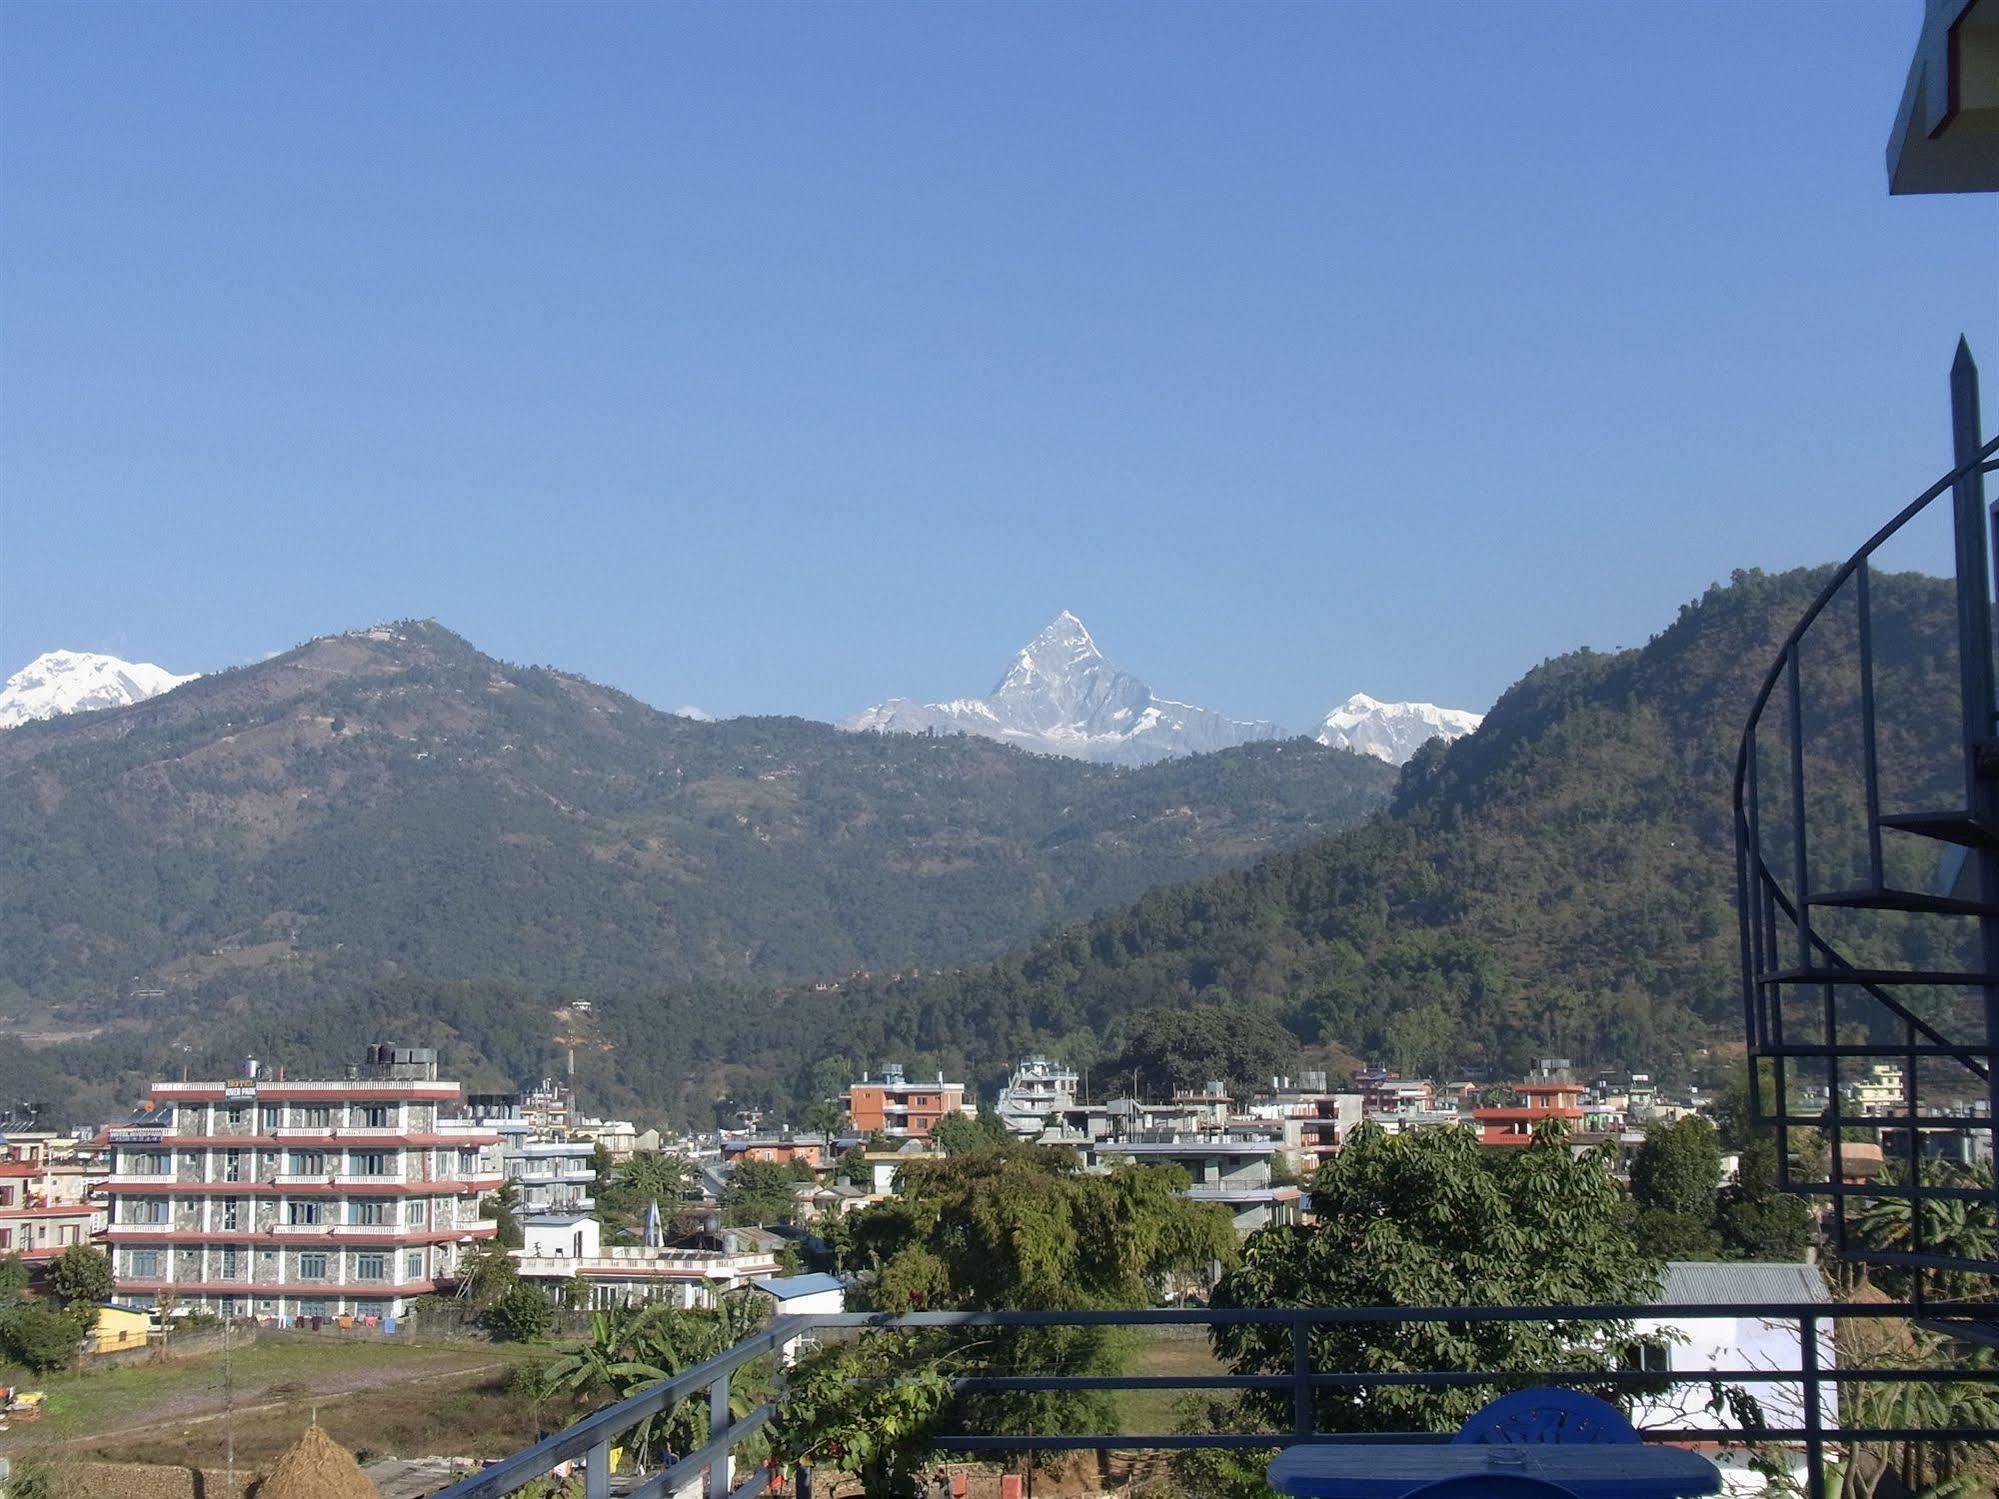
[[377, 1396]]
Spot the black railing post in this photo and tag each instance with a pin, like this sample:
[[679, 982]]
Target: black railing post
[[1808, 1335], [1974, 663], [719, 1475], [1301, 1379]]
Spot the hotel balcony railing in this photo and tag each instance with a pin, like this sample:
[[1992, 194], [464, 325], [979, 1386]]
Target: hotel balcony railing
[[1809, 1389]]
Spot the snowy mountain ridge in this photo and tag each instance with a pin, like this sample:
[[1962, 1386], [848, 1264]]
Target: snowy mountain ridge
[[1062, 696], [59, 682], [1392, 731]]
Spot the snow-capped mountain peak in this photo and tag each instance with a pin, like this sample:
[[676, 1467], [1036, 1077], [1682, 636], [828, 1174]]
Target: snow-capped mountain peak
[[1062, 696], [1392, 731], [59, 682]]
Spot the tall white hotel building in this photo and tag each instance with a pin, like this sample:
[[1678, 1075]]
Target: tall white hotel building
[[299, 1197]]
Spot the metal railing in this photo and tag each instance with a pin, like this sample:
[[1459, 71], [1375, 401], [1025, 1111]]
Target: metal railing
[[1794, 975], [1819, 1431]]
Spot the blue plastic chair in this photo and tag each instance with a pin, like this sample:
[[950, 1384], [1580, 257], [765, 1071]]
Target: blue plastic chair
[[1490, 1486], [1547, 1415]]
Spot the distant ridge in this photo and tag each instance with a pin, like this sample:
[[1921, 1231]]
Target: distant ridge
[[1061, 696]]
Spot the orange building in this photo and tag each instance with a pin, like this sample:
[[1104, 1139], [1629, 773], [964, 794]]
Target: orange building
[[896, 1106], [1539, 1102], [778, 1152]]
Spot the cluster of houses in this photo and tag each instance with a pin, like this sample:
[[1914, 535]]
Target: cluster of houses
[[302, 1199], [299, 1199]]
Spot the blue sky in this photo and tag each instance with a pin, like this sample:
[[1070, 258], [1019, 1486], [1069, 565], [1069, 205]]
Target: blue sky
[[781, 358]]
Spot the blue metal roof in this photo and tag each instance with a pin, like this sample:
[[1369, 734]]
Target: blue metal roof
[[785, 1287]]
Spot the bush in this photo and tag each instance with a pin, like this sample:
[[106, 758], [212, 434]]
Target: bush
[[523, 1315], [41, 1338]]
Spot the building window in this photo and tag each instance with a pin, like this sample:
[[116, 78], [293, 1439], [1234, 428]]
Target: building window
[[369, 1116], [312, 1306], [234, 1118], [370, 1213], [231, 1268], [271, 1115], [149, 1163], [314, 1116], [303, 1213], [306, 1163], [312, 1266], [143, 1210], [232, 1166], [419, 1211], [367, 1163], [142, 1264], [371, 1267], [415, 1266], [231, 1212], [1649, 1356]]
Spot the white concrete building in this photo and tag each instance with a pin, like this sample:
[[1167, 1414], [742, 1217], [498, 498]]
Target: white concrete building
[[1682, 1343], [563, 1248], [298, 1197]]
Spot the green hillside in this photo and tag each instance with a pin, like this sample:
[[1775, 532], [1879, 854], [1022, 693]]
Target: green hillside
[[1561, 882], [393, 805]]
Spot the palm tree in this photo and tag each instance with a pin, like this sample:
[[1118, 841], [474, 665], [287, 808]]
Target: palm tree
[[1951, 1226], [632, 1349], [1929, 1468]]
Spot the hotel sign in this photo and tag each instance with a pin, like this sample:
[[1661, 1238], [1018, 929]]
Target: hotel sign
[[242, 1087], [136, 1136]]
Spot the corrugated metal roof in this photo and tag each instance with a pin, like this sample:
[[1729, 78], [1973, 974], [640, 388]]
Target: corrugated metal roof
[[784, 1288], [1693, 1282]]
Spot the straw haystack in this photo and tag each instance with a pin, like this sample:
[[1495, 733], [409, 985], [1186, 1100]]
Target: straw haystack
[[316, 1467]]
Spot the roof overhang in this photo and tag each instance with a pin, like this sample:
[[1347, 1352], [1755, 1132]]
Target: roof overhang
[[1946, 135]]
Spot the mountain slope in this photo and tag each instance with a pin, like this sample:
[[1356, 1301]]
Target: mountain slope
[[393, 803], [1392, 731], [1062, 697], [59, 682]]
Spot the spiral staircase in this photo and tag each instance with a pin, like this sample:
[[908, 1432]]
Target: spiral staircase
[[1848, 893]]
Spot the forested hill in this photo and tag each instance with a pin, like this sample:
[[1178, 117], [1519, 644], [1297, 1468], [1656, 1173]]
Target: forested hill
[[1559, 883], [392, 803]]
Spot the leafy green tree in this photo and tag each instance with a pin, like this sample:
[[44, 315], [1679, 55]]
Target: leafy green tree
[[1675, 1180], [825, 1118], [1019, 1227], [758, 1193], [625, 1193], [486, 1272], [1432, 1218], [41, 1338], [863, 1408], [1758, 1221], [960, 1134], [81, 1273], [1180, 1047], [1678, 1168], [524, 1314], [13, 1277], [504, 1208]]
